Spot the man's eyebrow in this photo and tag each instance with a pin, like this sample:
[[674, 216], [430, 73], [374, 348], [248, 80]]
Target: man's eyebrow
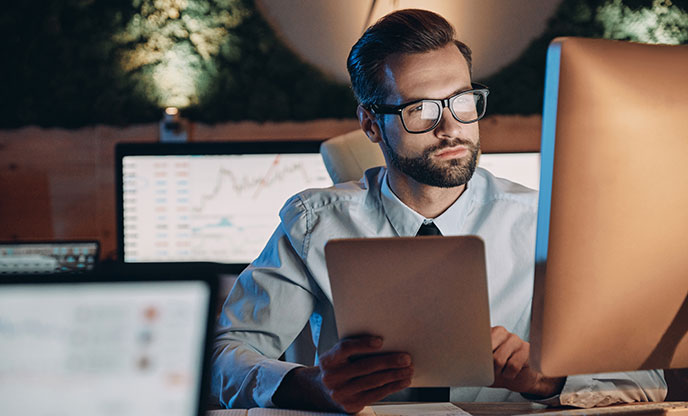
[[458, 90]]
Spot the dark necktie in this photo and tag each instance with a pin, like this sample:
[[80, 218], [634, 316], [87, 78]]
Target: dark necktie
[[429, 394], [428, 229]]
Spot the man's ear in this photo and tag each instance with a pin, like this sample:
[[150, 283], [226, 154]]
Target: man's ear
[[368, 123]]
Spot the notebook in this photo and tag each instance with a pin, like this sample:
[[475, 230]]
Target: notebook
[[129, 341], [426, 296], [18, 257]]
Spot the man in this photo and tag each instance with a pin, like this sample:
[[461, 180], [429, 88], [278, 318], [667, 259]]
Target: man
[[413, 82]]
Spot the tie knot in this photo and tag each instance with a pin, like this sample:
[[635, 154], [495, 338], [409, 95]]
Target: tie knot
[[428, 229]]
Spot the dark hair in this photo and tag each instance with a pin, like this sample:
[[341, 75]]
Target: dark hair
[[403, 31]]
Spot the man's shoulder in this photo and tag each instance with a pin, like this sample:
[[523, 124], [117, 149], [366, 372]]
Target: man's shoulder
[[311, 201], [490, 189]]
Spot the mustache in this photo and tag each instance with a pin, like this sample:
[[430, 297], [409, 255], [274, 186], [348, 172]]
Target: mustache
[[450, 143]]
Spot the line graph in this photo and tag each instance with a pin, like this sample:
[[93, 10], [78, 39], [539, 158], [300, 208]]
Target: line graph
[[279, 172], [223, 207]]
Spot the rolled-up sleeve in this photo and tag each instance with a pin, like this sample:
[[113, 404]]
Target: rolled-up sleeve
[[592, 390]]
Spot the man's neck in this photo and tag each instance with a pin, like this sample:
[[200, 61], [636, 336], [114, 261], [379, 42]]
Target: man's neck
[[428, 201]]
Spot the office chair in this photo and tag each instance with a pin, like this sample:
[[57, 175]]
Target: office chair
[[349, 155]]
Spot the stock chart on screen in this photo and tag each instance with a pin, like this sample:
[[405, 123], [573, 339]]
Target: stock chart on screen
[[219, 208]]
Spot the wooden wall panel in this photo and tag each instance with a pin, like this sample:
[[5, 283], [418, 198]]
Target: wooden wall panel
[[60, 184]]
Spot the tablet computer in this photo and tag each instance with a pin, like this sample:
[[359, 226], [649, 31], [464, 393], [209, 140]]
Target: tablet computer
[[423, 295]]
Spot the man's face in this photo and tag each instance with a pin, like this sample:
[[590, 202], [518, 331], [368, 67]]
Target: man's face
[[445, 156]]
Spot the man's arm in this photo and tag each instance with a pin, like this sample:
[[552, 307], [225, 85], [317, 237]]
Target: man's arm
[[268, 306]]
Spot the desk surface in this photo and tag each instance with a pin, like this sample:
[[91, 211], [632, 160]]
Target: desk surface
[[479, 409]]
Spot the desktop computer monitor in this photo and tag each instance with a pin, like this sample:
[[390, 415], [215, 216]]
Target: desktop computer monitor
[[213, 202], [611, 274]]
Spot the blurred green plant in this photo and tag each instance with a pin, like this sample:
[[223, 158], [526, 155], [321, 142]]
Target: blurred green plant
[[662, 22], [72, 63], [169, 46]]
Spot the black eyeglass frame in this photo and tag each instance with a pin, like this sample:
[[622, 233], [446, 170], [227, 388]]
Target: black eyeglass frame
[[398, 109]]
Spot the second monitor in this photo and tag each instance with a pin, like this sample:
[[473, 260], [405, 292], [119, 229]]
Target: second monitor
[[216, 202]]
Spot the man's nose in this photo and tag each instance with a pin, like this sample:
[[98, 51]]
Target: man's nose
[[448, 127]]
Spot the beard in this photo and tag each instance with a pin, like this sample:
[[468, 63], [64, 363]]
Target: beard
[[447, 174]]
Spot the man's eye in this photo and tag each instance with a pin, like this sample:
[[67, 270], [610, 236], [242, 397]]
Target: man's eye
[[416, 108]]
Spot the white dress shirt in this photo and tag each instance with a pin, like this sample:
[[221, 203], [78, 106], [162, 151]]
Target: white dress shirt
[[287, 286]]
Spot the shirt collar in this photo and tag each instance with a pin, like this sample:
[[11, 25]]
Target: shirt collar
[[406, 221]]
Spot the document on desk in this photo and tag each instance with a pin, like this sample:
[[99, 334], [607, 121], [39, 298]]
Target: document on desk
[[426, 409], [282, 412]]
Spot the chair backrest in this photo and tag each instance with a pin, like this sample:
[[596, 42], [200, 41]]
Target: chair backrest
[[349, 155]]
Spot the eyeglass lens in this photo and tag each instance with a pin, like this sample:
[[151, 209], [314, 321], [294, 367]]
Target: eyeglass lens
[[423, 115]]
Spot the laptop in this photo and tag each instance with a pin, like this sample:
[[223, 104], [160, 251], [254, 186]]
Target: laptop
[[18, 257], [436, 309], [133, 340]]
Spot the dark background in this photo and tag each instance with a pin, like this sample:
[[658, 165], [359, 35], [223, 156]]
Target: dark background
[[62, 67]]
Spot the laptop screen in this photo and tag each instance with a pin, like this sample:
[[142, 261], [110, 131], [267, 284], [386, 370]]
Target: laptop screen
[[48, 257], [215, 202], [105, 348]]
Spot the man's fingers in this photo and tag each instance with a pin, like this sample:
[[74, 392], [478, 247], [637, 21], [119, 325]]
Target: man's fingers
[[503, 352], [359, 401], [498, 335], [510, 355], [515, 364], [349, 347], [354, 373], [343, 374], [376, 380], [371, 364]]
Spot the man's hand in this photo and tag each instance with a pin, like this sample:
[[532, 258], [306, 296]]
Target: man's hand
[[512, 370], [347, 379]]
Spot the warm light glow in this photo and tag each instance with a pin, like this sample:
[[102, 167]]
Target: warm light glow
[[172, 111], [169, 46]]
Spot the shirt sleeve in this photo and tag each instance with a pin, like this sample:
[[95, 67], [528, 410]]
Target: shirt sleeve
[[267, 308], [593, 390]]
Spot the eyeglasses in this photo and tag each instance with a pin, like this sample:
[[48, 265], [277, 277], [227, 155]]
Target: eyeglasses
[[421, 116]]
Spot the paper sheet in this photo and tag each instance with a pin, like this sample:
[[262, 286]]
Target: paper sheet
[[281, 412], [426, 409]]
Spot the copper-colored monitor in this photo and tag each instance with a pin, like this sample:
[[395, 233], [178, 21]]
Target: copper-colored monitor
[[611, 280]]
